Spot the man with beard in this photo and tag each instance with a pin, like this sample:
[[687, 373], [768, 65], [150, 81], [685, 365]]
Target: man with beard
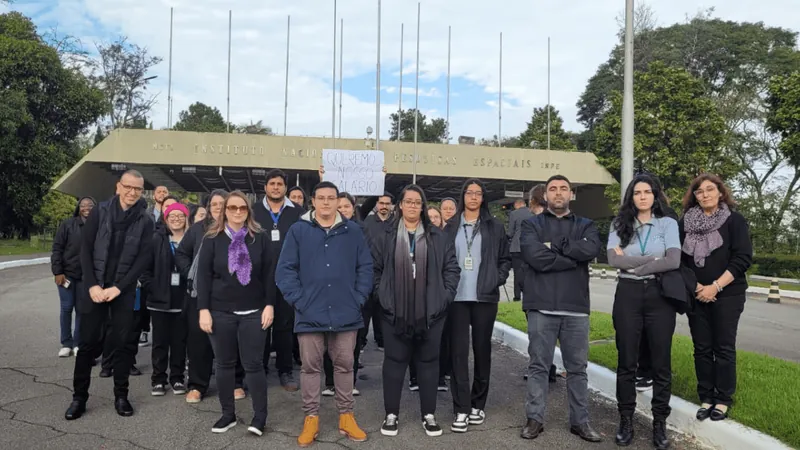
[[276, 213], [116, 248], [159, 195], [374, 225]]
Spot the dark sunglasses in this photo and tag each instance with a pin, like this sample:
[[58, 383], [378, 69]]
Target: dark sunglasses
[[234, 208]]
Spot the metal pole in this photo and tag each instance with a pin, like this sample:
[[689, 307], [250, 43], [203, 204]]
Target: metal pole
[[286, 85], [416, 103], [378, 86], [627, 102], [400, 95], [341, 82], [333, 85], [548, 92], [500, 98], [447, 120], [230, 26], [169, 82]]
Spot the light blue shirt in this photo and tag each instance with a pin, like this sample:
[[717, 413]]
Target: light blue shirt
[[468, 283], [650, 239]]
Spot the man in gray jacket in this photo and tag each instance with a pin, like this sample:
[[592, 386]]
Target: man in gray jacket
[[520, 214]]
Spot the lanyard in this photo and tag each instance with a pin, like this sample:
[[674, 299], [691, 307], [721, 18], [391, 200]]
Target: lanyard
[[468, 240], [276, 218], [643, 245], [172, 247], [413, 245]]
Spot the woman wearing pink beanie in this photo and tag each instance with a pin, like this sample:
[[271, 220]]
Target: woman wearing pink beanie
[[165, 288]]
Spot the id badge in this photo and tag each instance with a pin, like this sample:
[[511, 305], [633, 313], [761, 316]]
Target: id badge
[[176, 279], [468, 263], [414, 270], [276, 235]]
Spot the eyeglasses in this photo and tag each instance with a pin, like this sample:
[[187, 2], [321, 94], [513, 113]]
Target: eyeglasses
[[240, 209], [412, 203], [176, 217], [710, 190], [326, 199], [476, 194], [135, 189]]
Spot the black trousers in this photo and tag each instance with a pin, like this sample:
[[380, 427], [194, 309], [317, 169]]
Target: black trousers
[[123, 341], [640, 309], [399, 353], [714, 327], [372, 313], [240, 336], [645, 369], [445, 358], [201, 353], [280, 338], [480, 318], [518, 265], [169, 347], [108, 343], [144, 318]]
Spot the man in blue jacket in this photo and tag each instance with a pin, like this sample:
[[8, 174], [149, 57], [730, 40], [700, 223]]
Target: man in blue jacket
[[325, 274]]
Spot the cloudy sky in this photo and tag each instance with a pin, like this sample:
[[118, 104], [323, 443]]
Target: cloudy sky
[[582, 33]]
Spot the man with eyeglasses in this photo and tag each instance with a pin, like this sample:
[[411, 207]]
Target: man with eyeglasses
[[115, 250], [374, 225], [325, 274]]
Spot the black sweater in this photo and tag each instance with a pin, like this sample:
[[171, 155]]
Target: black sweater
[[219, 290], [735, 255], [157, 279]]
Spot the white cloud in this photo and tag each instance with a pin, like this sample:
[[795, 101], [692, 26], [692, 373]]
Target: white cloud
[[582, 35]]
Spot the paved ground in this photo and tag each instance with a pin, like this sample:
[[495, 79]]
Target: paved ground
[[21, 257], [37, 389]]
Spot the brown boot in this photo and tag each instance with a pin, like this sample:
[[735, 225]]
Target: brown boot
[[310, 431], [348, 427]]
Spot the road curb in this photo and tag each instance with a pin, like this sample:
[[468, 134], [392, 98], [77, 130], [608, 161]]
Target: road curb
[[23, 263], [724, 434], [785, 293]]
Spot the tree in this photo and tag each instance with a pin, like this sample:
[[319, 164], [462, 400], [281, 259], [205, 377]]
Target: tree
[[507, 141], [201, 118], [56, 207], [679, 133], [121, 72], [44, 107], [535, 136], [254, 128], [433, 131]]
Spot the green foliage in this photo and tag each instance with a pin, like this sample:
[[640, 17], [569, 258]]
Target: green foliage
[[56, 208], [679, 133], [431, 131], [783, 266], [201, 118], [44, 107], [254, 128], [536, 132], [784, 114]]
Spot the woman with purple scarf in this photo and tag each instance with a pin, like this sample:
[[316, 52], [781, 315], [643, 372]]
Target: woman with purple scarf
[[717, 248], [235, 295]]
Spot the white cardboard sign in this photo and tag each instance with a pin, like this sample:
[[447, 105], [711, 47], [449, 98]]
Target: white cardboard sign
[[358, 172]]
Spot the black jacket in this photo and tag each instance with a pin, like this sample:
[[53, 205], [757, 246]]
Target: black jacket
[[559, 279], [495, 255], [157, 279], [678, 286], [190, 247], [66, 254], [375, 228], [443, 271], [291, 213]]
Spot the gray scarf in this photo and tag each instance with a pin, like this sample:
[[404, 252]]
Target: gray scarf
[[409, 291], [702, 232]]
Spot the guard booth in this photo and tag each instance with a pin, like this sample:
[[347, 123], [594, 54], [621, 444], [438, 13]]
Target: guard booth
[[201, 162]]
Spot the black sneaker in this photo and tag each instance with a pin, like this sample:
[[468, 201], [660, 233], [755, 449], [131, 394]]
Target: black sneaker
[[460, 424], [158, 390], [389, 427], [256, 428], [477, 417], [413, 386], [106, 373], [178, 388], [143, 342], [224, 424], [430, 426], [442, 385], [135, 372], [644, 384]]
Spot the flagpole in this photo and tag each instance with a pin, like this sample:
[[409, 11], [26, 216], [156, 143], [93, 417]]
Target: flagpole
[[416, 102], [341, 83], [228, 113], [548, 92], [626, 173], [378, 86], [169, 82], [286, 83], [500, 98], [400, 95], [449, 36], [333, 86]]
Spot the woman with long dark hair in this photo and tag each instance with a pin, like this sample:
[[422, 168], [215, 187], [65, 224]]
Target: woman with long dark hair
[[717, 248], [416, 275], [235, 295], [643, 243]]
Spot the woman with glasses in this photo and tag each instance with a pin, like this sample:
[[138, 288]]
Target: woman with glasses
[[235, 295], [717, 248], [416, 275], [164, 287]]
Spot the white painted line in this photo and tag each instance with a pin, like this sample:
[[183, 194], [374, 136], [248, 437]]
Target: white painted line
[[24, 263], [723, 435]]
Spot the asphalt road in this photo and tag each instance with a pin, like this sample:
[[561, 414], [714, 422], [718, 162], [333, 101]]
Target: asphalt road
[[37, 389]]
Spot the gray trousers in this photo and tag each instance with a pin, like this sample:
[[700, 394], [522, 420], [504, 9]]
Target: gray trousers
[[573, 334]]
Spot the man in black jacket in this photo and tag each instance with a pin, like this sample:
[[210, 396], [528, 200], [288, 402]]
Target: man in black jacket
[[374, 228], [276, 213], [116, 248], [66, 265], [558, 246]]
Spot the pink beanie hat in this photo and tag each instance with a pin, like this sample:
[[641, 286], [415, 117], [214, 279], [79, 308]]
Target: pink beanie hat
[[176, 207]]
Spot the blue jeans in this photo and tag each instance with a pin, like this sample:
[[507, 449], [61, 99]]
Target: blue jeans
[[69, 338]]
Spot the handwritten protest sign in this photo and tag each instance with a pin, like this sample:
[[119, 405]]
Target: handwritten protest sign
[[359, 172]]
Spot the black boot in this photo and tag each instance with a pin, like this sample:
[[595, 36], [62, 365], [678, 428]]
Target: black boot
[[123, 407], [660, 439], [625, 431], [553, 375], [75, 410]]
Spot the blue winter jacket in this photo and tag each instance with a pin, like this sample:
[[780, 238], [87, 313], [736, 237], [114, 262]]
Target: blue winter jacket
[[325, 276]]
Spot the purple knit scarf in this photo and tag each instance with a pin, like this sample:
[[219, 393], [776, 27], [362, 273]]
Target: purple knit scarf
[[702, 232], [238, 256]]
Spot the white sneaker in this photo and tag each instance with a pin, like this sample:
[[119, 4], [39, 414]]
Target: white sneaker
[[356, 391], [389, 427], [75, 351], [476, 417], [430, 426], [460, 424], [65, 352], [328, 392]]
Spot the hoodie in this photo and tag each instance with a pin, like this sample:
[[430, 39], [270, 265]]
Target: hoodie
[[66, 254]]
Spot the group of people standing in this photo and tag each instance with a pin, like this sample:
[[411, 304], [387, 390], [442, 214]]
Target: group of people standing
[[228, 285]]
